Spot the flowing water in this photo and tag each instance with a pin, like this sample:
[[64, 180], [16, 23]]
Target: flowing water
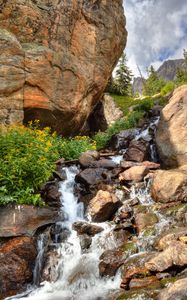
[[76, 276]]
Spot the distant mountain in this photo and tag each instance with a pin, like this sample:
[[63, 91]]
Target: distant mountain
[[167, 71]]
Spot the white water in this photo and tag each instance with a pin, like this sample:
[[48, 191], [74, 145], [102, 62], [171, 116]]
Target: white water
[[77, 272]]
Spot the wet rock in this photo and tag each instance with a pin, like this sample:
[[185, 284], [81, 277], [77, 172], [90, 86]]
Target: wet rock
[[49, 272], [87, 228], [178, 290], [87, 158], [104, 163], [90, 176], [121, 140], [125, 164], [50, 193], [147, 282], [148, 164], [144, 220], [171, 235], [137, 151], [103, 206], [25, 219], [174, 255], [57, 75], [171, 136], [110, 261], [17, 257], [170, 185], [85, 241], [58, 233], [135, 174]]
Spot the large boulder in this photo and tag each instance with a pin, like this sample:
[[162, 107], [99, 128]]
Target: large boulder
[[171, 137], [177, 290], [56, 58], [170, 185], [17, 258]]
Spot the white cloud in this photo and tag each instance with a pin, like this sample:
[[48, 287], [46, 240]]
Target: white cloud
[[157, 30]]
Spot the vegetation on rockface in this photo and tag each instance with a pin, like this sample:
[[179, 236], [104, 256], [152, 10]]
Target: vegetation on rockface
[[153, 84], [27, 160]]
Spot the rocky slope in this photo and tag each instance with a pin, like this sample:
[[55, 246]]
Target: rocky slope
[[56, 58]]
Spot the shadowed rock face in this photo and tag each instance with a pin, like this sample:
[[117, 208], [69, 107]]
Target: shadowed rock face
[[56, 57]]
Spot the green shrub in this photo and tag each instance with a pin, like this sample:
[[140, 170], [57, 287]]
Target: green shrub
[[27, 160], [168, 88]]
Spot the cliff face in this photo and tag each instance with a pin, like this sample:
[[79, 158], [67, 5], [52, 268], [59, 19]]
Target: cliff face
[[56, 57], [169, 68]]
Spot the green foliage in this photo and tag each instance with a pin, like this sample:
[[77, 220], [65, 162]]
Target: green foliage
[[121, 84], [153, 84], [168, 88], [181, 76], [27, 160], [130, 121]]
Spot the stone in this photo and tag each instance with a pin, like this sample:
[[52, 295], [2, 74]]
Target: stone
[[25, 219], [87, 228], [110, 261], [50, 193], [121, 140], [87, 158], [147, 282], [171, 136], [85, 241], [105, 113], [144, 220], [125, 164], [174, 255], [17, 257], [169, 185], [90, 176], [175, 291], [103, 206], [57, 75], [135, 174], [169, 236], [137, 151]]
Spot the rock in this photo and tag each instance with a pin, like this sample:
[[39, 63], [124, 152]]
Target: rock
[[144, 220], [170, 185], [49, 272], [57, 75], [169, 236], [103, 206], [148, 164], [121, 140], [135, 174], [87, 228], [50, 194], [147, 282], [85, 241], [17, 257], [110, 261], [104, 163], [137, 151], [174, 255], [171, 137], [176, 291], [90, 176], [25, 219], [87, 158], [105, 113]]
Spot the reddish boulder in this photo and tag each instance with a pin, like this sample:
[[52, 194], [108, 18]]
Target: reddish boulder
[[58, 75], [137, 151], [110, 261], [135, 174], [17, 257]]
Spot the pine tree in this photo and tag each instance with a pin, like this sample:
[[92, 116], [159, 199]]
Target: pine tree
[[123, 77], [153, 84], [181, 75]]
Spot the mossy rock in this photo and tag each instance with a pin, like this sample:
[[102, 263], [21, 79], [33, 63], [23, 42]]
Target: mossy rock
[[130, 248], [134, 295], [165, 281]]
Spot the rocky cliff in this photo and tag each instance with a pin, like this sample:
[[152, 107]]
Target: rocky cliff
[[56, 57]]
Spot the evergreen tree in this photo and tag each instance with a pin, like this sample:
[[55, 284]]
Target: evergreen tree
[[181, 76], [153, 84], [123, 77]]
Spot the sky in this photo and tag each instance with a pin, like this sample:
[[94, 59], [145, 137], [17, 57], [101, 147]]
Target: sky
[[157, 31]]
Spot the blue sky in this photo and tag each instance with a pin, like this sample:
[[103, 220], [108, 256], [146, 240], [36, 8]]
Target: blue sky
[[157, 30]]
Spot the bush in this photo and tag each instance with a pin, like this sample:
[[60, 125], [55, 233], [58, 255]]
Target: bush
[[168, 88], [27, 160]]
